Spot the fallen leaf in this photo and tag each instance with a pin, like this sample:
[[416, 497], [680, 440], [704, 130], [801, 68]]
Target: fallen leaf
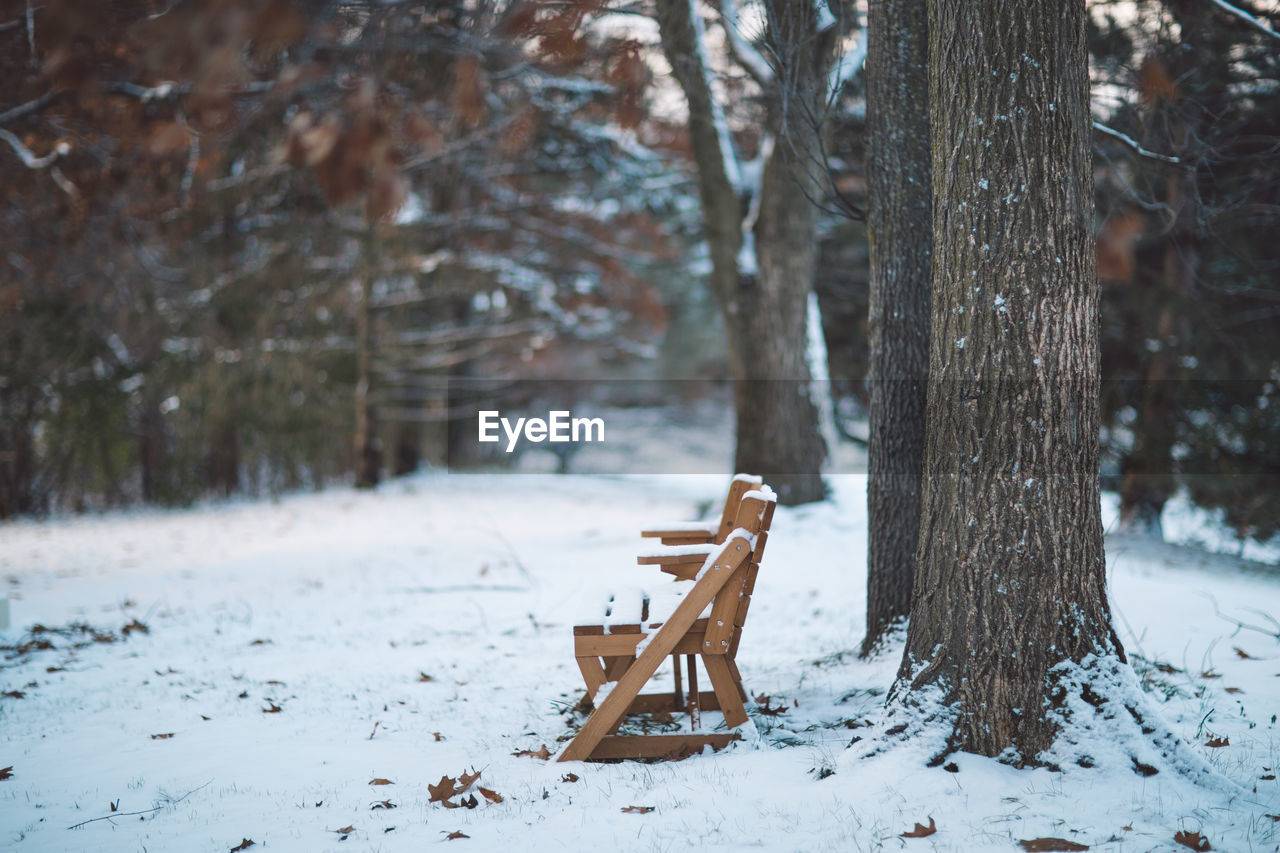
[[206, 719], [346, 830], [115, 806], [470, 802], [637, 809], [245, 844], [164, 736], [1208, 673], [442, 791], [1050, 844], [384, 804], [244, 694], [466, 780], [1233, 690], [272, 709], [922, 831], [1216, 742], [13, 694], [381, 781], [1242, 654], [490, 795], [456, 834], [6, 772], [1194, 840], [437, 736], [422, 676], [570, 777], [135, 625], [542, 753], [261, 642]]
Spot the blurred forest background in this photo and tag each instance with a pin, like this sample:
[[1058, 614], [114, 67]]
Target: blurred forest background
[[256, 245]]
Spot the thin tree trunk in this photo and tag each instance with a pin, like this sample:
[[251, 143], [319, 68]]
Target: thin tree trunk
[[763, 297], [368, 453], [1011, 579], [900, 231]]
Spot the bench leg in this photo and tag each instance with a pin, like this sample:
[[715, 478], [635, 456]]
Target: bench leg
[[695, 712], [592, 673], [722, 681]]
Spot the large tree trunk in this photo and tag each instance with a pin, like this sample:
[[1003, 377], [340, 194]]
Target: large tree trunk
[[1011, 578], [763, 296], [901, 241]]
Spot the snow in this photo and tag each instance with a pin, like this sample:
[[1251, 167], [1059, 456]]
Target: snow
[[333, 606]]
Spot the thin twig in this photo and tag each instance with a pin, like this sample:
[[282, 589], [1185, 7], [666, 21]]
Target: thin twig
[[30, 106], [1133, 143], [144, 811]]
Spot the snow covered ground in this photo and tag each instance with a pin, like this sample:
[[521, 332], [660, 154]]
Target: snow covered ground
[[295, 651]]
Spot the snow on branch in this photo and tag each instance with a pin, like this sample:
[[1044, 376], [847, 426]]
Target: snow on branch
[[1245, 16], [28, 157], [1133, 143], [752, 61], [727, 153]]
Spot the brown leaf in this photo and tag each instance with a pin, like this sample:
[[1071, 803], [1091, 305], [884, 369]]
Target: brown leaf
[[244, 844], [164, 736], [637, 809], [1233, 690], [381, 781], [13, 694], [1194, 840], [6, 772], [442, 790], [1217, 742], [470, 802], [438, 737], [1051, 844], [1208, 673], [346, 830], [422, 676], [490, 795], [542, 753], [570, 777], [922, 831], [1242, 654], [272, 709], [456, 834], [383, 804], [466, 780], [135, 625]]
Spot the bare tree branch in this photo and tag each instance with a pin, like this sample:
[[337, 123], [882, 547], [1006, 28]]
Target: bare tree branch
[[29, 107], [1245, 16], [1133, 143], [28, 157]]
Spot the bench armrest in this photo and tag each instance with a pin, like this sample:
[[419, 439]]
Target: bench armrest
[[682, 532], [682, 560]]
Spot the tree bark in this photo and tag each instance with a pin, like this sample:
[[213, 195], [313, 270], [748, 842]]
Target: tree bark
[[368, 453], [1011, 579], [900, 233], [762, 297]]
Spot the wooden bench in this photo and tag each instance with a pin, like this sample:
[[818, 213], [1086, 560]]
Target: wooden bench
[[700, 615]]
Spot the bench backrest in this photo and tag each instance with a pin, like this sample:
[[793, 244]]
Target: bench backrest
[[741, 484], [729, 609]]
